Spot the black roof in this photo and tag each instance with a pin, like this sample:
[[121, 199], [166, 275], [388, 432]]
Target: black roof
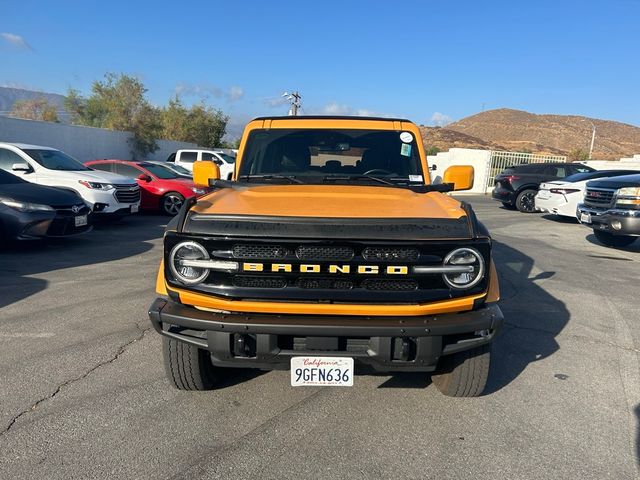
[[331, 117]]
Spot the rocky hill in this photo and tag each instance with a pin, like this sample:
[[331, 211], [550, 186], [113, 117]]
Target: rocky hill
[[516, 130]]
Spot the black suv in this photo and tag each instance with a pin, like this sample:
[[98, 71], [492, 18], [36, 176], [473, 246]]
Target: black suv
[[516, 186]]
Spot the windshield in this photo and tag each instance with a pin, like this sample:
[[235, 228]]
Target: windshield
[[180, 169], [159, 171], [318, 156], [227, 158], [7, 178], [55, 160]]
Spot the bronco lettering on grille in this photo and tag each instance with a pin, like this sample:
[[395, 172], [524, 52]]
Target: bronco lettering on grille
[[316, 268]]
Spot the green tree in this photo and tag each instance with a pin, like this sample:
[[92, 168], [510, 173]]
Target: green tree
[[200, 124], [433, 150], [35, 109], [118, 102], [578, 154]]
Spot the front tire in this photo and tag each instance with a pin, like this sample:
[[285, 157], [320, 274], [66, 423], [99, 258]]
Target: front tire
[[464, 374], [525, 202], [611, 240], [171, 203], [187, 366]]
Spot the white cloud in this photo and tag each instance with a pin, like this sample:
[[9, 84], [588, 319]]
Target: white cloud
[[275, 102], [16, 40], [335, 108], [440, 119], [203, 91]]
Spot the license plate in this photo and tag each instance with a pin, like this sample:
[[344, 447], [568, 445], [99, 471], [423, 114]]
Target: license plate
[[321, 371], [134, 208], [80, 220], [585, 218]]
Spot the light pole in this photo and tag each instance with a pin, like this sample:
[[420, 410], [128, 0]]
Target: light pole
[[593, 139], [295, 100]]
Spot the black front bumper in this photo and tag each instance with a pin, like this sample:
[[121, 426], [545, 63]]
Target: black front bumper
[[268, 341], [616, 221]]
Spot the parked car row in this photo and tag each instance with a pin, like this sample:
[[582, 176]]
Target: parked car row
[[608, 201], [46, 193]]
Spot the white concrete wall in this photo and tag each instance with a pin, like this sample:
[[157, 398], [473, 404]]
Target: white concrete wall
[[478, 159], [631, 163], [83, 143]]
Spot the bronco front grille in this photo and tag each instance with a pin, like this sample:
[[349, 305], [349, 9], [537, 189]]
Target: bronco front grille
[[599, 197], [259, 252], [324, 253], [297, 270]]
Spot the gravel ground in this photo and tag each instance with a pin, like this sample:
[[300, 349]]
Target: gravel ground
[[83, 393]]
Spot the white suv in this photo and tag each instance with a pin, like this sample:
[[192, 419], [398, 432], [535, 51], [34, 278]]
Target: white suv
[[186, 158], [107, 194]]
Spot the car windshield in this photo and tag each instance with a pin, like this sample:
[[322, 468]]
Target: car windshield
[[55, 160], [338, 156], [159, 171], [178, 168], [227, 158], [7, 178], [579, 177]]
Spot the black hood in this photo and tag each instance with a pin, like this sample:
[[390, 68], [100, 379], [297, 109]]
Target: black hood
[[616, 182], [32, 193]]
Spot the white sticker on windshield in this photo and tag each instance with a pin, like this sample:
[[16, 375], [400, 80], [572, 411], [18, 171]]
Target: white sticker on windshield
[[415, 178], [406, 137], [405, 150]]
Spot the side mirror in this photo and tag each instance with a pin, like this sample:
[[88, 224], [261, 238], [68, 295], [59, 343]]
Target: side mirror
[[461, 176], [144, 178], [21, 167], [433, 167], [205, 171], [218, 162]]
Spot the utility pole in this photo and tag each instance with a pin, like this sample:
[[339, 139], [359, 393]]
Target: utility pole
[[295, 100], [593, 139]]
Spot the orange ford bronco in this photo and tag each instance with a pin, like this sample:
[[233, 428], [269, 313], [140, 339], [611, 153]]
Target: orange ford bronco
[[330, 247]]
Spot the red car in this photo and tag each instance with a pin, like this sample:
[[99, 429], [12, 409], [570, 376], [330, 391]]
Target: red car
[[161, 188]]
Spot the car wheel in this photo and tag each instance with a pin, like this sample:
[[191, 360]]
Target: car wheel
[[171, 203], [188, 367], [526, 201], [464, 374], [508, 206], [611, 240]]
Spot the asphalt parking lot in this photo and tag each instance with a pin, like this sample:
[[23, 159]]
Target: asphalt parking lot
[[83, 393]]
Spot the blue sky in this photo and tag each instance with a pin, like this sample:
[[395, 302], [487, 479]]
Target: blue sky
[[427, 60]]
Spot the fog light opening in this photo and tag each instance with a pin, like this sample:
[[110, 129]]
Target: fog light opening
[[616, 225]]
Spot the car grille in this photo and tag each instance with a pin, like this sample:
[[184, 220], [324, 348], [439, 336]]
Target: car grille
[[274, 270], [127, 193], [320, 253], [599, 197], [258, 251], [64, 223]]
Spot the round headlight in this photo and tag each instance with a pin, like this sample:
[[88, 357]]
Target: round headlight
[[464, 257], [178, 262]]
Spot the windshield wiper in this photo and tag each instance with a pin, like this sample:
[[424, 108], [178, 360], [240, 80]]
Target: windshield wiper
[[291, 178], [347, 178]]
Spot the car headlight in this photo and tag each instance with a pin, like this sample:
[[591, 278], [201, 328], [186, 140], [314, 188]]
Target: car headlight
[[628, 196], [198, 191], [96, 185], [464, 257], [25, 206], [179, 262]]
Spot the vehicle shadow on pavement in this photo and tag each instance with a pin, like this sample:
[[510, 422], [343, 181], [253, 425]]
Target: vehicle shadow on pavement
[[634, 247], [109, 241], [533, 317], [561, 219]]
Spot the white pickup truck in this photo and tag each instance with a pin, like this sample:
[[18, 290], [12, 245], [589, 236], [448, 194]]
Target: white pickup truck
[[186, 159]]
